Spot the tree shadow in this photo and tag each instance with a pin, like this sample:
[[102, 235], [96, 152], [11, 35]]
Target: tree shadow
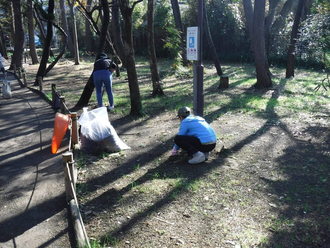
[[305, 221]]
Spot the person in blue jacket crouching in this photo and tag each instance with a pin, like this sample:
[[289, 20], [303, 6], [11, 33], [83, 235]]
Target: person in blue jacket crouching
[[195, 136]]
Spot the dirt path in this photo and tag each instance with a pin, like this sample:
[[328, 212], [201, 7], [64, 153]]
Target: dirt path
[[32, 201]]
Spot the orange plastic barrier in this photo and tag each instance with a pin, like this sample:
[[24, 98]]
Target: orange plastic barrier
[[61, 124]]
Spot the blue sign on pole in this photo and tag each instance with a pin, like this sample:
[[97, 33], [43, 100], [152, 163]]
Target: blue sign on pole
[[192, 43]]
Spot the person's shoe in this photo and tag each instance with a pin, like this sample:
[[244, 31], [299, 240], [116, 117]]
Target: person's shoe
[[110, 108], [197, 158], [207, 154]]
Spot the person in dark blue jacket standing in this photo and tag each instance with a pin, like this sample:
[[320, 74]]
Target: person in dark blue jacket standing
[[195, 136], [102, 77]]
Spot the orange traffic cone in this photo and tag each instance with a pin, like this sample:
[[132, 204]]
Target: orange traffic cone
[[61, 124]]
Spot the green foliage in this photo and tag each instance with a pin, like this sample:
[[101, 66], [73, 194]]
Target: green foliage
[[167, 37], [173, 45], [314, 41], [226, 26]]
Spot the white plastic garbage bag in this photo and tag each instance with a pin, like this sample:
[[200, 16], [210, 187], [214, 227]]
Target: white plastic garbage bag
[[6, 90], [97, 134]]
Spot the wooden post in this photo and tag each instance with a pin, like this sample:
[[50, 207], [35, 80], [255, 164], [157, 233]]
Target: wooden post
[[73, 174], [224, 82], [62, 100], [15, 69], [78, 225], [53, 95], [39, 80], [74, 132], [67, 158], [24, 78], [19, 72]]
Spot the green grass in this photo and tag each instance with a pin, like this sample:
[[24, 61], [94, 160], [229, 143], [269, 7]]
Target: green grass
[[286, 97], [297, 94]]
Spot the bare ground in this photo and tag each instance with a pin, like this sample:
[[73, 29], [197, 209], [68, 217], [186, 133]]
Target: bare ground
[[269, 186]]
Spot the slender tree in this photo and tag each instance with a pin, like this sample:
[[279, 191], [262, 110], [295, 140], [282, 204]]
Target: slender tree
[[156, 84], [179, 26], [255, 21], [64, 24], [214, 53], [303, 5], [32, 46], [282, 16], [123, 41], [88, 30], [3, 48], [71, 4], [18, 35], [46, 47], [89, 87]]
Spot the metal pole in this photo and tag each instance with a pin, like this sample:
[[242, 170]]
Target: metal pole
[[198, 66]]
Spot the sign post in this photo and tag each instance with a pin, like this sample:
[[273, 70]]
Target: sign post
[[194, 52]]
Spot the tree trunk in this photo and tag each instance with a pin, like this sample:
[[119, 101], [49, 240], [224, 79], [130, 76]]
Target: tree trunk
[[74, 32], [59, 56], [126, 12], [280, 20], [89, 87], [46, 47], [262, 68], [88, 31], [293, 39], [179, 26], [32, 46], [255, 23], [214, 53], [269, 21], [123, 42], [19, 36], [156, 85], [64, 24], [3, 48], [116, 32], [248, 11]]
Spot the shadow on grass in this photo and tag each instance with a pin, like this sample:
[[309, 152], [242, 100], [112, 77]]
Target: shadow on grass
[[303, 222]]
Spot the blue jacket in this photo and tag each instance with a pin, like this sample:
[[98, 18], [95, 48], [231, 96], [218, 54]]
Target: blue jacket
[[197, 126]]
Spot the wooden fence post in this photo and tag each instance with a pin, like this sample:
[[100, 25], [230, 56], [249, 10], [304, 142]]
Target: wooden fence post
[[62, 100], [224, 82], [14, 67], [24, 78], [19, 70], [67, 158], [39, 80], [74, 130]]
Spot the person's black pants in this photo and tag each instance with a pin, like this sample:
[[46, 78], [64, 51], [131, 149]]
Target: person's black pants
[[192, 144]]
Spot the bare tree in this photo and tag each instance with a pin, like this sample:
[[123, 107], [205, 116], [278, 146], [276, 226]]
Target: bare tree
[[255, 20], [156, 84], [74, 31], [64, 24], [214, 53], [303, 5], [89, 87], [32, 45], [46, 46], [18, 35], [123, 41], [3, 48], [179, 26], [88, 30]]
